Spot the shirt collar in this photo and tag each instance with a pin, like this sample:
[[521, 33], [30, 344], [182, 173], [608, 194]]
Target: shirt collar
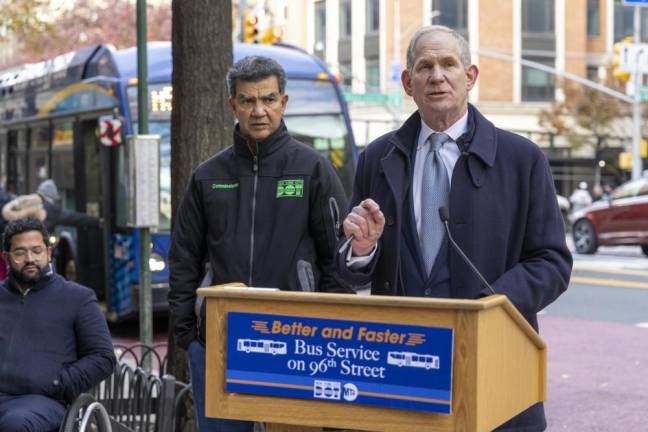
[[455, 130]]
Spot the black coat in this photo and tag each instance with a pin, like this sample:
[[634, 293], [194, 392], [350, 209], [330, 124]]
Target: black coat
[[270, 220], [503, 214], [54, 341]]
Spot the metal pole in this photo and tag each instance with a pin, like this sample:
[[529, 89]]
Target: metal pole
[[637, 167], [145, 295], [242, 5]]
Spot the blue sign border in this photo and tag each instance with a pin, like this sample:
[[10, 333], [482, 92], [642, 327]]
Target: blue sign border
[[340, 361]]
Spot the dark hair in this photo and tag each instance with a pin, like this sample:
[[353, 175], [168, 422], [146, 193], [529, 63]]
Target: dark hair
[[20, 226], [254, 69]]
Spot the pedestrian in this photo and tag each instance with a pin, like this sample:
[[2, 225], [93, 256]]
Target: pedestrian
[[495, 186], [580, 198], [54, 340], [264, 211], [5, 197], [45, 205]]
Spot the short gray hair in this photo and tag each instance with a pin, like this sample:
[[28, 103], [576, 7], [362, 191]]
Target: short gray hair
[[464, 49], [254, 69]]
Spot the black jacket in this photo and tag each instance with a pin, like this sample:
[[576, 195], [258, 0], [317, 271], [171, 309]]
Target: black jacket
[[268, 220], [54, 340]]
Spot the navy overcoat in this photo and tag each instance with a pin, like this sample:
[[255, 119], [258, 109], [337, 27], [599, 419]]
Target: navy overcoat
[[503, 213]]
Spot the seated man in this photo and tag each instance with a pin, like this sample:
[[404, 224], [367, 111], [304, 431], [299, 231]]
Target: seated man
[[54, 341]]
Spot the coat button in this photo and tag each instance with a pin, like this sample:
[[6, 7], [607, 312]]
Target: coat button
[[427, 292], [390, 220], [386, 285]]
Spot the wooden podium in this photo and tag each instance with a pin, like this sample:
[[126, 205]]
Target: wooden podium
[[499, 361]]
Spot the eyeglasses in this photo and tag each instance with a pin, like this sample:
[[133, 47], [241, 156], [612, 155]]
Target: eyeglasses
[[20, 254]]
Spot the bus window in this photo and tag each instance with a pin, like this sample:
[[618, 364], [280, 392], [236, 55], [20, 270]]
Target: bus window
[[3, 158], [38, 156], [63, 162], [314, 116], [16, 168]]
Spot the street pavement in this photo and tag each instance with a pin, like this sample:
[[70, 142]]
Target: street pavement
[[597, 337]]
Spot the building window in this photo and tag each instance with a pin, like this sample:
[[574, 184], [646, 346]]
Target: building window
[[593, 18], [373, 16], [320, 28], [346, 76], [451, 13], [537, 85], [538, 16], [373, 76], [345, 19], [592, 73], [624, 21]]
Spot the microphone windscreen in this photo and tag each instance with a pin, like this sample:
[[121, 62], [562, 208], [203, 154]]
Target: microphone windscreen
[[443, 214]]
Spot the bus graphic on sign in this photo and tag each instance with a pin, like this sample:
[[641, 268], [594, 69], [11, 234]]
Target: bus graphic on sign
[[327, 390], [404, 358], [264, 346]]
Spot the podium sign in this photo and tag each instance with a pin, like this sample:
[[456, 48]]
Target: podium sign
[[357, 362]]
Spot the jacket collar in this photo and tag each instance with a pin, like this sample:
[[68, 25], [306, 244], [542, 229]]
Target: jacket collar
[[480, 139], [272, 143], [42, 282]]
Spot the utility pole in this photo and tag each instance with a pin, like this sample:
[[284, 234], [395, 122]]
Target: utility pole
[[637, 78], [145, 294], [242, 6]]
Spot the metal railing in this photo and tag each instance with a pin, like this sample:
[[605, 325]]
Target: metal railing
[[132, 399]]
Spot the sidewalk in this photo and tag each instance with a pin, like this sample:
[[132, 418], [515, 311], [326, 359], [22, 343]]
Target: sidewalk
[[597, 377]]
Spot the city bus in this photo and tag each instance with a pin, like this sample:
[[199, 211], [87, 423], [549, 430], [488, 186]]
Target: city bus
[[50, 116]]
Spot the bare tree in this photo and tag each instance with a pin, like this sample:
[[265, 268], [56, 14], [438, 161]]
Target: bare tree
[[201, 121], [586, 117]]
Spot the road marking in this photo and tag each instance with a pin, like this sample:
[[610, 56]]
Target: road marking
[[589, 268], [581, 280], [642, 325]]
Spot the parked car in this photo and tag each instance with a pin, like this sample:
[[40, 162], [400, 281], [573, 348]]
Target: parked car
[[621, 219]]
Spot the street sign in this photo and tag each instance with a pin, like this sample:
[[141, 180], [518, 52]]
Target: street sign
[[635, 2], [633, 57]]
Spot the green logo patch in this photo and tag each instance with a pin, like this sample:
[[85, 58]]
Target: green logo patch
[[224, 185], [290, 188]]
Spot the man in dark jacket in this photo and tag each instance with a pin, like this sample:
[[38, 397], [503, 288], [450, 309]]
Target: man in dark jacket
[[264, 211], [497, 187], [54, 341]]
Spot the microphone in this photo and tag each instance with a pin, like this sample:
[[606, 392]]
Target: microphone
[[443, 214]]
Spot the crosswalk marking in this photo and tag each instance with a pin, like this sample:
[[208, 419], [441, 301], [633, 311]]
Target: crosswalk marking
[[607, 269]]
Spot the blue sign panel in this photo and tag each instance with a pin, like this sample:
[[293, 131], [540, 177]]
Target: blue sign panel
[[635, 2], [391, 365]]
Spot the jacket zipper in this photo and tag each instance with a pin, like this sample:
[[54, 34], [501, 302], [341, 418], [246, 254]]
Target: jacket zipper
[[255, 170]]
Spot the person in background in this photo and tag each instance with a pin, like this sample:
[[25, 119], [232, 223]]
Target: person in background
[[54, 340], [580, 198], [496, 189], [5, 197]]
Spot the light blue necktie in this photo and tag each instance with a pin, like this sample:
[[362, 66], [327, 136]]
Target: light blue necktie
[[434, 194]]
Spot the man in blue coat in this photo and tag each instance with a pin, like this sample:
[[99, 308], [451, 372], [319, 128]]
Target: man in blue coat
[[496, 186], [54, 341]]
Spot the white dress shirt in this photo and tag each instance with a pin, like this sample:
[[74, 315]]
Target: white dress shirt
[[450, 153]]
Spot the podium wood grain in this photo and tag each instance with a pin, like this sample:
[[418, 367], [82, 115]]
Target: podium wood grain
[[499, 364]]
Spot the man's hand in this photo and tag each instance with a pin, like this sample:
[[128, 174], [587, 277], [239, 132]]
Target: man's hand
[[366, 223]]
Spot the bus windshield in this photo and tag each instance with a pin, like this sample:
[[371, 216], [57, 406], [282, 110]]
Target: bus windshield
[[313, 115]]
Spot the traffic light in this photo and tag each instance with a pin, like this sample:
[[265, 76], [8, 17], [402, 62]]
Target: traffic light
[[250, 28], [616, 61], [271, 35]]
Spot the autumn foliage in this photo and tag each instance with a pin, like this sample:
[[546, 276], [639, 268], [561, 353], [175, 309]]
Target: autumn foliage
[[90, 22]]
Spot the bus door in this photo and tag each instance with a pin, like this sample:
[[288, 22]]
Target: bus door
[[17, 165], [90, 265]]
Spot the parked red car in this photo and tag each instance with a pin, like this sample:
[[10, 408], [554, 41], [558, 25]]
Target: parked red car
[[621, 219]]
